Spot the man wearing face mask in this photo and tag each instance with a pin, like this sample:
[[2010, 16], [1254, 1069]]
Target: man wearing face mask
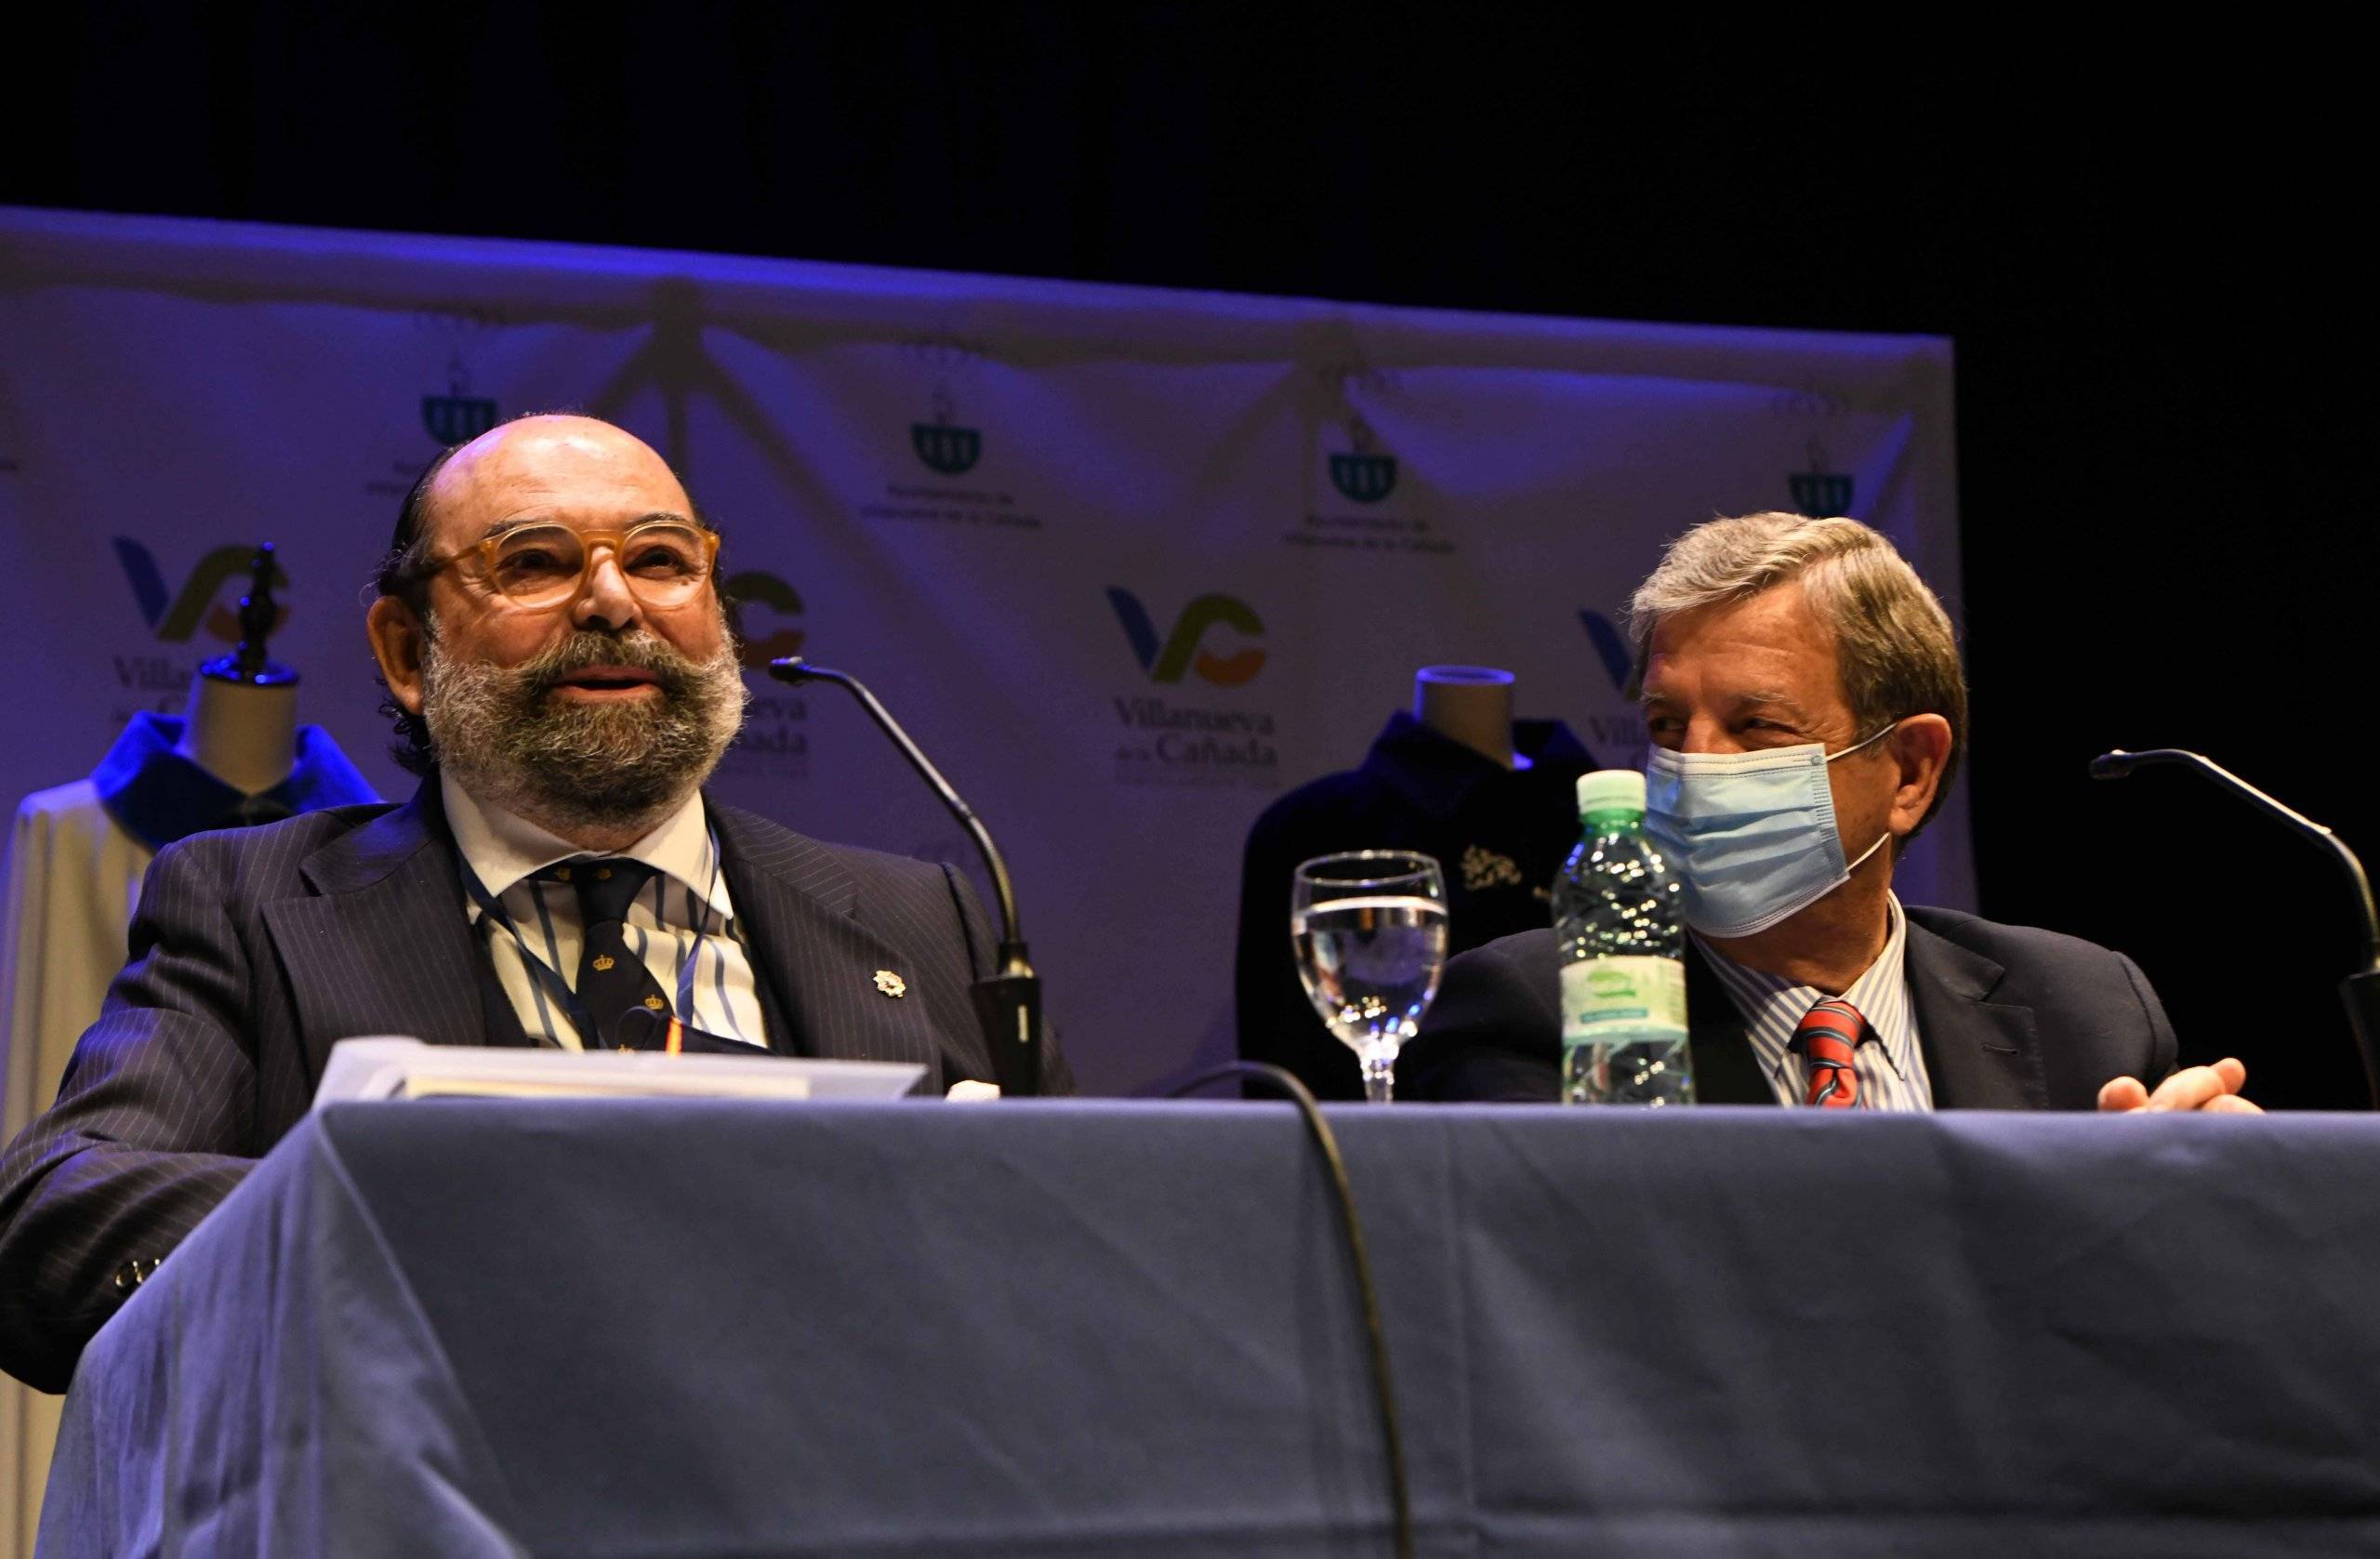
[[1802, 692]]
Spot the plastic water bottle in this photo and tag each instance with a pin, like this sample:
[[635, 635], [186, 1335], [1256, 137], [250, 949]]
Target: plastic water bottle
[[1622, 946]]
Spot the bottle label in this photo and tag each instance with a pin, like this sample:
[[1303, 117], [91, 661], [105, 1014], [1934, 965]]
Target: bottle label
[[1622, 997]]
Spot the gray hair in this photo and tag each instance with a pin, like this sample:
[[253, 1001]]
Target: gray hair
[[1892, 639]]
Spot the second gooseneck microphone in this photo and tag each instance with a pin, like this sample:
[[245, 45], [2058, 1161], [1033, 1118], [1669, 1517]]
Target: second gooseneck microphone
[[2360, 990]]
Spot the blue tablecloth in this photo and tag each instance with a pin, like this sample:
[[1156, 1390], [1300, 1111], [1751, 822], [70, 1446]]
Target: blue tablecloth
[[498, 1327]]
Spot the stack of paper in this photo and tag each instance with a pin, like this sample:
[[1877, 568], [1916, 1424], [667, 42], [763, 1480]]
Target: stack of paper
[[386, 1067]]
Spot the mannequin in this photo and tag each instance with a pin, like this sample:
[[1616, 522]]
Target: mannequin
[[1490, 797], [74, 866], [240, 723], [1471, 705], [242, 732]]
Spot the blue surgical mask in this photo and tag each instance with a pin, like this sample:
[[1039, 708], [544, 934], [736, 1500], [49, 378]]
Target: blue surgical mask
[[1752, 834]]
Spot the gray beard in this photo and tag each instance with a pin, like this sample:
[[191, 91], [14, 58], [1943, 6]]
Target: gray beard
[[510, 740]]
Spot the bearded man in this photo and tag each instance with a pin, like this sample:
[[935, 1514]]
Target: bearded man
[[562, 674]]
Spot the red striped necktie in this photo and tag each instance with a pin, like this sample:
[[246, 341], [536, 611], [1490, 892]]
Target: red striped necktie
[[1827, 1037]]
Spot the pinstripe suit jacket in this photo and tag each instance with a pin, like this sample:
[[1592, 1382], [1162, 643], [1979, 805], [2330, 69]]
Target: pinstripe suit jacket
[[254, 950]]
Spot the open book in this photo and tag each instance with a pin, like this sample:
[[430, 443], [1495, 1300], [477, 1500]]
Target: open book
[[389, 1067]]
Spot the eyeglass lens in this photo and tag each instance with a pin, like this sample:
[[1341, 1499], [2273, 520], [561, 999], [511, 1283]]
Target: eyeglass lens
[[664, 563]]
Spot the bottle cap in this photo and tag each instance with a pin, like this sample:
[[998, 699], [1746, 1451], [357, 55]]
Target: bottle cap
[[1612, 790]]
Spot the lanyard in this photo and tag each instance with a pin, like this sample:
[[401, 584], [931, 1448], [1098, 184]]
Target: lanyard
[[557, 989]]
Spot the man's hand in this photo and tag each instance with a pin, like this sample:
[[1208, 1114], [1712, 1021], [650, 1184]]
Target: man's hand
[[2214, 1089]]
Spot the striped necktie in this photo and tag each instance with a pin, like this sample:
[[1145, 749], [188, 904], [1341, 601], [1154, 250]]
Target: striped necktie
[[1827, 1037]]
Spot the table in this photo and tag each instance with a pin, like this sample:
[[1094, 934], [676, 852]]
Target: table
[[479, 1327]]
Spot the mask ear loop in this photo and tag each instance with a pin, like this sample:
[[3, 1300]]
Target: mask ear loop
[[1869, 851], [1868, 741]]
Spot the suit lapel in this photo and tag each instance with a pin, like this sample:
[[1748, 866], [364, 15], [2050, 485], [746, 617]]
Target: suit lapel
[[1979, 1055], [804, 925], [1727, 1069], [383, 945]]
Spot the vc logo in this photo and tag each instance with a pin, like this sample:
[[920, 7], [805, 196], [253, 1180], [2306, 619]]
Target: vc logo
[[1180, 651], [175, 618], [1610, 648], [742, 591]]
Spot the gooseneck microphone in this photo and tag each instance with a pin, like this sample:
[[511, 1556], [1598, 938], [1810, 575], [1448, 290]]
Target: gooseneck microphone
[[1008, 1004], [2360, 990]]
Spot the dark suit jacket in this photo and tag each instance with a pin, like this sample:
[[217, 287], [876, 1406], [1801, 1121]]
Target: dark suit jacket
[[2008, 1017], [254, 951]]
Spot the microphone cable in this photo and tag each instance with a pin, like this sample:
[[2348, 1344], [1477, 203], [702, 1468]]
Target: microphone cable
[[1375, 1337]]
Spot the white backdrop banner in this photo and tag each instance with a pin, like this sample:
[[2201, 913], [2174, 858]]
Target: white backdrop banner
[[1127, 562]]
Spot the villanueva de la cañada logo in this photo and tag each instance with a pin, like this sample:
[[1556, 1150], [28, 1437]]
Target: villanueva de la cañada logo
[[458, 416], [1363, 473], [1183, 648], [752, 587], [454, 416], [174, 615], [1167, 742], [949, 449], [151, 680], [1368, 476], [1617, 740], [943, 444], [1610, 646], [763, 612], [1818, 493]]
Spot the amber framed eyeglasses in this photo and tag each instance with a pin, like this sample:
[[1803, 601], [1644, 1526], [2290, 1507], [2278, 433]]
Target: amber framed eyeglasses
[[666, 562]]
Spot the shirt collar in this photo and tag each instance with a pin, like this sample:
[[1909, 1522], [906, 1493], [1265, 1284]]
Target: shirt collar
[[504, 848], [1880, 993]]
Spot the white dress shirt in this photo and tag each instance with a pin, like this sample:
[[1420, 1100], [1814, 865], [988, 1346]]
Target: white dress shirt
[[684, 917], [1891, 1070]]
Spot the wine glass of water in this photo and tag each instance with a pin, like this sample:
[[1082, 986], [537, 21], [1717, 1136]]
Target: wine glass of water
[[1370, 933]]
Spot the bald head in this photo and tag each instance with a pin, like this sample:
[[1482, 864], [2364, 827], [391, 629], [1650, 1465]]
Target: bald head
[[546, 467]]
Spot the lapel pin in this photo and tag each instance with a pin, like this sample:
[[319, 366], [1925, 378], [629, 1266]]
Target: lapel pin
[[891, 983]]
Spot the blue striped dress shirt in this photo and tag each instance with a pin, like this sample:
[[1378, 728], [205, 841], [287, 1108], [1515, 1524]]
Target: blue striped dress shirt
[[684, 913], [1891, 1068]]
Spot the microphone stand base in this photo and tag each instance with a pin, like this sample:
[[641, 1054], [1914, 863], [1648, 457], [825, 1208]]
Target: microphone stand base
[[1007, 1008], [2361, 995]]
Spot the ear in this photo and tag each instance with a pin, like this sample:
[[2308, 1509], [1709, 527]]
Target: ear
[[1920, 746], [397, 636]]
